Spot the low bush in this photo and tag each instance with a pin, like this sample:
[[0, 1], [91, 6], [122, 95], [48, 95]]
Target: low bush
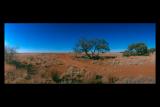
[[98, 79], [137, 49], [56, 77], [17, 64], [30, 69], [73, 75]]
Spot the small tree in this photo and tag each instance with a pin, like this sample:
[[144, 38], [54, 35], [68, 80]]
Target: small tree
[[9, 54], [99, 46], [92, 47], [85, 45], [136, 49]]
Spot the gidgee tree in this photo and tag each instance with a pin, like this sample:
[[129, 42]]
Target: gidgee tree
[[92, 47]]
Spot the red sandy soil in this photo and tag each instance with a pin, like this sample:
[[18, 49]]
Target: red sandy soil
[[133, 67]]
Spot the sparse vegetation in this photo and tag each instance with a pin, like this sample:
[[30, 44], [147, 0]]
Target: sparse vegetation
[[73, 75], [75, 71], [57, 54], [10, 59]]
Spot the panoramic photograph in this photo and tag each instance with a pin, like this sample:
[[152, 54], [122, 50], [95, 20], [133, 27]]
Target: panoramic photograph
[[80, 53]]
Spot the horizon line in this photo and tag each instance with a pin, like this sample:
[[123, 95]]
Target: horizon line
[[65, 52]]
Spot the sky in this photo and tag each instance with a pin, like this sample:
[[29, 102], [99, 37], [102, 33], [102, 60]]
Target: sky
[[62, 37]]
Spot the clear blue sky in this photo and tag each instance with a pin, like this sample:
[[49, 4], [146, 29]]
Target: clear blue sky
[[61, 37]]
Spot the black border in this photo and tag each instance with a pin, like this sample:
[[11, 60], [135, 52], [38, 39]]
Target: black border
[[80, 90]]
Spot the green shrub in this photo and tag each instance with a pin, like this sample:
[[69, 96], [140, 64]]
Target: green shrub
[[30, 69], [137, 49], [17, 64], [98, 79], [56, 77]]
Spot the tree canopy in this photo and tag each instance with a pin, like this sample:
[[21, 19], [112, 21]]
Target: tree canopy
[[136, 49], [92, 47]]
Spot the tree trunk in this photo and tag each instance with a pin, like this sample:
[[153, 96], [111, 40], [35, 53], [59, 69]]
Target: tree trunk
[[92, 54], [88, 54], [98, 53]]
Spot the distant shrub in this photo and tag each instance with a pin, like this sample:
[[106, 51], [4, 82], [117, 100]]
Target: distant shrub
[[137, 49]]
